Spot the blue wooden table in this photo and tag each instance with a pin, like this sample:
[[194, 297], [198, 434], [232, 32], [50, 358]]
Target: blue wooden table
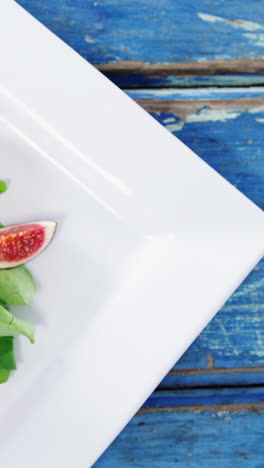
[[197, 66]]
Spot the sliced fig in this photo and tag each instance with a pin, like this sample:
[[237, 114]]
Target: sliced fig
[[21, 242]]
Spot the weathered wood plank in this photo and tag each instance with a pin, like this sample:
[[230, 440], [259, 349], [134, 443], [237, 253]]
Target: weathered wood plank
[[210, 123], [233, 339], [155, 40], [226, 128], [199, 400], [221, 429]]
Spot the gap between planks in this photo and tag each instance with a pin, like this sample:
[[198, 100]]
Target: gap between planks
[[212, 67], [215, 370], [231, 408]]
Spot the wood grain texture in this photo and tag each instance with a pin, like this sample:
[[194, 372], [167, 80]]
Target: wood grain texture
[[233, 339], [221, 429], [156, 40], [210, 123], [200, 400]]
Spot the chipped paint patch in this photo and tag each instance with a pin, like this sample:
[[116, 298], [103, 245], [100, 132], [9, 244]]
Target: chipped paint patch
[[240, 24], [256, 110], [169, 120], [89, 39], [258, 353], [247, 289], [257, 38], [214, 110], [175, 127], [226, 336], [208, 18], [212, 115], [221, 414]]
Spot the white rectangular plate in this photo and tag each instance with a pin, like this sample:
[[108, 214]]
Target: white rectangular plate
[[150, 243]]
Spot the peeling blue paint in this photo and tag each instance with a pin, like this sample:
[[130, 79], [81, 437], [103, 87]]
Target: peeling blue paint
[[165, 32], [195, 439]]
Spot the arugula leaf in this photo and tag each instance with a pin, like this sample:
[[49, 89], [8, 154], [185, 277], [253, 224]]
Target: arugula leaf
[[7, 357], [17, 286], [12, 326], [7, 351], [7, 354], [4, 375], [4, 304], [3, 186]]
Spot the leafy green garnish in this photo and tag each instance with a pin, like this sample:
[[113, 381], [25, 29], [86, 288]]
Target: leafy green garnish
[[12, 326], [4, 304], [4, 375], [7, 353], [17, 286], [3, 186]]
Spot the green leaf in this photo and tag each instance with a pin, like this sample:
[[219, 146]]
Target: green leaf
[[7, 353], [17, 286], [4, 304], [4, 375], [3, 186], [12, 326]]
